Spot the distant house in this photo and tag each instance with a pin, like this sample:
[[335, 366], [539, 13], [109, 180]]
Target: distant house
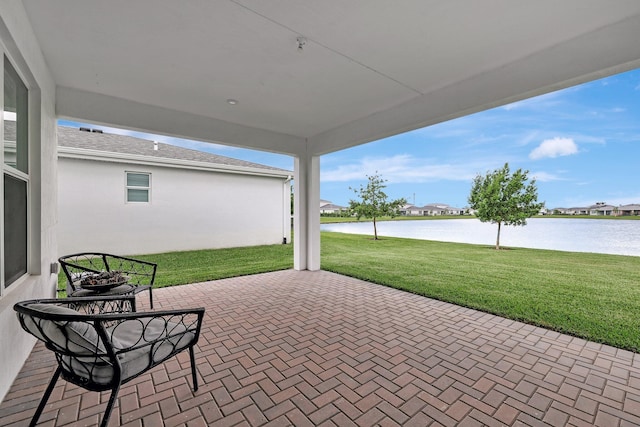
[[434, 210], [455, 211], [430, 210], [326, 207], [128, 195], [441, 209], [411, 210], [588, 210], [628, 210], [601, 209]]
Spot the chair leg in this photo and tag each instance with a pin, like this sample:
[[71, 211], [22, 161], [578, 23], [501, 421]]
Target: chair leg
[[151, 298], [43, 401], [193, 369], [112, 401]]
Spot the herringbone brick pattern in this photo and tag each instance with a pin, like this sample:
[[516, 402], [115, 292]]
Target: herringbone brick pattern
[[320, 349]]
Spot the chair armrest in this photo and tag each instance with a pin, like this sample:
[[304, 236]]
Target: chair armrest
[[191, 317], [119, 304], [132, 331]]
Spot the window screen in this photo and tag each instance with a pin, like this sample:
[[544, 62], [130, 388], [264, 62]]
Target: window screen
[[15, 229], [15, 176]]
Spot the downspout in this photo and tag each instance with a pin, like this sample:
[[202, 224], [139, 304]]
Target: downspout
[[286, 208]]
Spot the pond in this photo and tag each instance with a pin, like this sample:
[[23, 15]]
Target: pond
[[621, 237]]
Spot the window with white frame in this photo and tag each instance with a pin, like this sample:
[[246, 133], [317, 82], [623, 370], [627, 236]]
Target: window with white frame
[[138, 187], [15, 177]]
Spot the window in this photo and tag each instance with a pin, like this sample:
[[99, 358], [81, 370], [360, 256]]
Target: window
[[15, 177], [138, 187]]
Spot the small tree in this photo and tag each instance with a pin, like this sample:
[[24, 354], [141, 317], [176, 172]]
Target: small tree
[[373, 201], [500, 197]]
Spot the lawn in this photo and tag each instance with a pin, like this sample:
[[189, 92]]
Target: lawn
[[179, 268], [593, 296]]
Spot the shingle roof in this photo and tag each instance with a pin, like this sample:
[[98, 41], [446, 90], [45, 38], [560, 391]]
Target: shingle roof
[[631, 207], [106, 142]]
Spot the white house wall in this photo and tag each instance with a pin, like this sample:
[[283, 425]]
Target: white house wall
[[19, 43], [189, 209]]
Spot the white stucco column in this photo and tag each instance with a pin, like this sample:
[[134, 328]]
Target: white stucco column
[[306, 222]]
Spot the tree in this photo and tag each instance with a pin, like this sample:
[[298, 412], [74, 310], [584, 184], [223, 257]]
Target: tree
[[373, 201], [500, 197]]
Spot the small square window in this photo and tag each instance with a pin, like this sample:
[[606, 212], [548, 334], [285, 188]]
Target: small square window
[[138, 187]]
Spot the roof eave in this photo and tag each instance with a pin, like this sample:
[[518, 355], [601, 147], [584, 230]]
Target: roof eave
[[103, 156]]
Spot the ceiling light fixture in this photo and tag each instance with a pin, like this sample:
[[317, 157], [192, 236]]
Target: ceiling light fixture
[[232, 101], [301, 43]]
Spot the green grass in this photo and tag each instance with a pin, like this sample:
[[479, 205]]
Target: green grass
[[593, 296], [179, 268]]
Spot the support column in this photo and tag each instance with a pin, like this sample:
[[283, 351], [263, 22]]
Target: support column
[[306, 222]]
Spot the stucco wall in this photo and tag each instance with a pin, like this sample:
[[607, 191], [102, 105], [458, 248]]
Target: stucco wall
[[189, 209], [20, 44]]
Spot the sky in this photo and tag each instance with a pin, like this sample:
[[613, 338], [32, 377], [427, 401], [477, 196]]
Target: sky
[[581, 144]]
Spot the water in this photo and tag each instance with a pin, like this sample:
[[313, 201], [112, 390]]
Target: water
[[621, 237]]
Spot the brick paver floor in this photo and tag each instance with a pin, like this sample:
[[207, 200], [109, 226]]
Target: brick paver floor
[[320, 349]]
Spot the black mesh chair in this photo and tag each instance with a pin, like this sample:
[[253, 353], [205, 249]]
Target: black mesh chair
[[141, 274], [101, 343]]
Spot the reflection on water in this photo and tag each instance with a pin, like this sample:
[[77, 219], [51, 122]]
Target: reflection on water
[[620, 237]]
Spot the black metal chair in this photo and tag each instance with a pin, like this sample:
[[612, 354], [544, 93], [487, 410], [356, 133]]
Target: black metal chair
[[141, 274], [101, 343]]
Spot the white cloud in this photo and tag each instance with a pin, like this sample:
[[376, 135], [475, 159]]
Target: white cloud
[[555, 147], [545, 176], [400, 168], [541, 101], [527, 138]]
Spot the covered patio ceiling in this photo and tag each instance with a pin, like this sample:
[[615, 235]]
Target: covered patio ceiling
[[365, 69], [312, 77]]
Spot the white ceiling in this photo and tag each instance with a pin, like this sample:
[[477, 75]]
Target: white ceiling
[[369, 69]]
